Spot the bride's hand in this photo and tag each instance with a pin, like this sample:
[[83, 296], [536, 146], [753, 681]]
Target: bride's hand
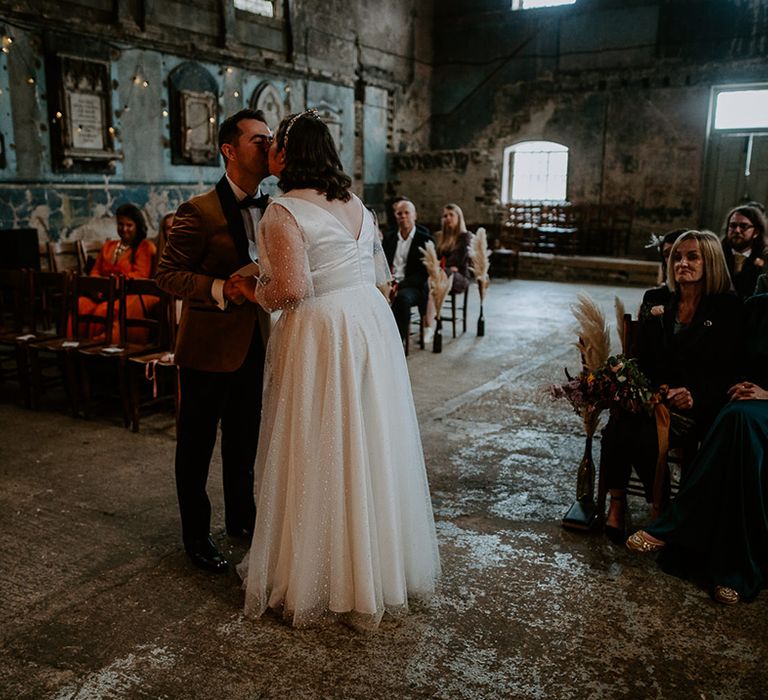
[[246, 286]]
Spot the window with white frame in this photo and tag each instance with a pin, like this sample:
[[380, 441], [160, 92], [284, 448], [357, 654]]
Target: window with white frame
[[265, 8], [535, 170], [741, 109], [530, 4]]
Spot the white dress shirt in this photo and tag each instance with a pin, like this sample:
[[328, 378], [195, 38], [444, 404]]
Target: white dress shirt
[[401, 255], [251, 217]]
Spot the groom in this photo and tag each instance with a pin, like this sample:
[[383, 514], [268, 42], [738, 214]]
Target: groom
[[220, 341]]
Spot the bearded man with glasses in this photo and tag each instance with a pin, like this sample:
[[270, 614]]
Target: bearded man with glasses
[[744, 245]]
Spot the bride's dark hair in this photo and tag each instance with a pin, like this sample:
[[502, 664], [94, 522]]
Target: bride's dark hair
[[311, 159]]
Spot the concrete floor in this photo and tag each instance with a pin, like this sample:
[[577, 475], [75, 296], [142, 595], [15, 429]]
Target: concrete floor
[[99, 601]]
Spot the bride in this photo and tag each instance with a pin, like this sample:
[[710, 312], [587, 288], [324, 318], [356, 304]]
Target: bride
[[344, 526]]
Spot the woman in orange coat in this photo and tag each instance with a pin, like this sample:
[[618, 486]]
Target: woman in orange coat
[[131, 256]]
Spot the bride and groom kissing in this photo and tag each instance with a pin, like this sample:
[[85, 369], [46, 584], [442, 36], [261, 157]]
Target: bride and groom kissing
[[344, 525]]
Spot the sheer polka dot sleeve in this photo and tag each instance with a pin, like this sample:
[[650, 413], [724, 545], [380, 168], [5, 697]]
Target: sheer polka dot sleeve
[[285, 278]]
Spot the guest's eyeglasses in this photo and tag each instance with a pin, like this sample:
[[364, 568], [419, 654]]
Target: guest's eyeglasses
[[736, 226], [264, 140]]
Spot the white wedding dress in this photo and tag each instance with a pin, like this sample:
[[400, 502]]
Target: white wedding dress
[[344, 524]]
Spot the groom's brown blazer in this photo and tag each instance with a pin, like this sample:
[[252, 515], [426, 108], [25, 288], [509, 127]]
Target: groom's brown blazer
[[208, 241]]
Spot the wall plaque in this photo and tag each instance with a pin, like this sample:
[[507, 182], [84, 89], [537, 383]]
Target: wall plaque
[[198, 125], [194, 105], [80, 112]]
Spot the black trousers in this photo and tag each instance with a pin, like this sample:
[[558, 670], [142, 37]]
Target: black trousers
[[630, 440], [232, 399], [402, 303]]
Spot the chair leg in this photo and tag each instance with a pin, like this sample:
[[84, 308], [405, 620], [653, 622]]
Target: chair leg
[[453, 313], [84, 390], [125, 400], [421, 331], [133, 383], [22, 365], [407, 340], [35, 384], [464, 311]]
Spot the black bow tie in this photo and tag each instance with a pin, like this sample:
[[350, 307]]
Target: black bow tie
[[250, 201]]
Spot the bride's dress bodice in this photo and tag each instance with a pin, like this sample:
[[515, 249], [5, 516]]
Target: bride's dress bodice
[[306, 251]]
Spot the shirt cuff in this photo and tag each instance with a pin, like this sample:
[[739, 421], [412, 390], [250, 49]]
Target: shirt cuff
[[217, 292]]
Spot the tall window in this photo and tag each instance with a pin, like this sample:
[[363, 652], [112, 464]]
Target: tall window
[[528, 4], [266, 8], [535, 170]]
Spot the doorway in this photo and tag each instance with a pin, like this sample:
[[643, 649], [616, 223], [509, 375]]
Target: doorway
[[736, 169]]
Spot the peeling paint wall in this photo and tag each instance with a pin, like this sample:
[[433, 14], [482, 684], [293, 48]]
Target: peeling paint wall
[[624, 85], [366, 66]]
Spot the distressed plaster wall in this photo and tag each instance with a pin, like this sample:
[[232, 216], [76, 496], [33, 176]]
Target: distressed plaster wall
[[625, 85], [366, 66]]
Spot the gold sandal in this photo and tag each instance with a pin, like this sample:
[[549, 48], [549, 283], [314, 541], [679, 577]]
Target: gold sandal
[[640, 542], [726, 596]]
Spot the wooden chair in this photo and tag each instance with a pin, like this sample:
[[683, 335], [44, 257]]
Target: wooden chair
[[153, 367], [45, 309], [456, 309], [60, 353], [112, 359], [45, 260], [88, 251], [420, 322], [669, 472], [14, 320], [66, 255]]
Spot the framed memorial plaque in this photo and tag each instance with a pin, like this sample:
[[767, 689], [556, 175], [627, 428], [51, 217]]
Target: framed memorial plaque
[[80, 114], [193, 96], [198, 127]]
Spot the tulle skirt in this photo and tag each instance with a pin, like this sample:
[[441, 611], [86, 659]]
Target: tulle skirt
[[344, 523]]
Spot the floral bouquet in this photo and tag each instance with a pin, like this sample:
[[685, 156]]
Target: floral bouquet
[[605, 381], [619, 383]]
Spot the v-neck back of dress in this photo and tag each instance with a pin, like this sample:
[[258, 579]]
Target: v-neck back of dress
[[333, 216], [337, 260]]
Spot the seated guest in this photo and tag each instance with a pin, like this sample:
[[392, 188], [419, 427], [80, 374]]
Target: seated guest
[[744, 245], [131, 256], [162, 233], [658, 296], [689, 348], [452, 247], [392, 227], [718, 523], [408, 272]]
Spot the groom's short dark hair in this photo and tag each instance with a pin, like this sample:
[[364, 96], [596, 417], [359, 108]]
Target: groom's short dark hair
[[229, 131]]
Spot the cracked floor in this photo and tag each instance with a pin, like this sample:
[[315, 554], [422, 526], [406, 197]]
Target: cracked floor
[[98, 600]]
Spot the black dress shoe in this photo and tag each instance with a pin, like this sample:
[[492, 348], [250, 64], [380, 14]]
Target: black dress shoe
[[240, 533], [204, 554]]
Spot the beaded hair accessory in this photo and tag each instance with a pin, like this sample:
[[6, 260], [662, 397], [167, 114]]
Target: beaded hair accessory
[[306, 113]]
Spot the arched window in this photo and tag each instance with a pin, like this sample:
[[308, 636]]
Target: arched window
[[535, 170], [265, 8]]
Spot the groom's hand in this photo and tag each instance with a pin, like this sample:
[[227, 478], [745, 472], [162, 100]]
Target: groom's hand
[[246, 286], [232, 291]]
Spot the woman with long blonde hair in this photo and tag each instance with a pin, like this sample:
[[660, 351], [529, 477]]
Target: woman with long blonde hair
[[687, 345], [453, 246]]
